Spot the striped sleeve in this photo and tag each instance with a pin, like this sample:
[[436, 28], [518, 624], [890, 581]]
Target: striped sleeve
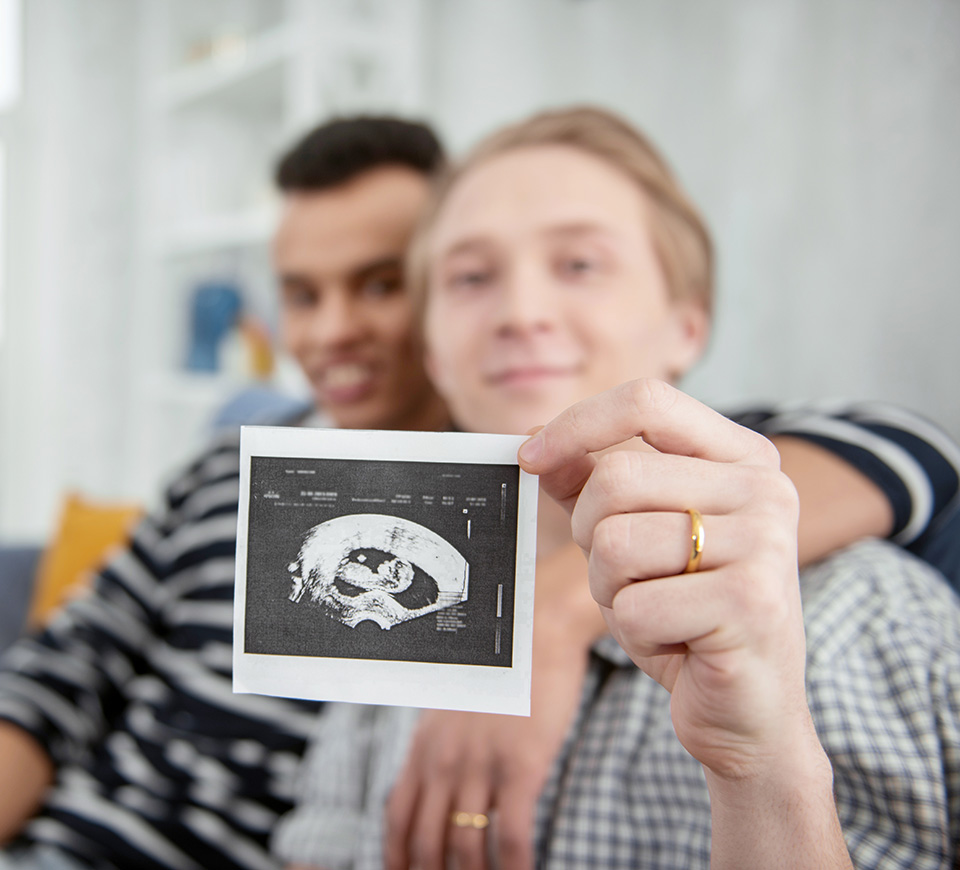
[[67, 683], [912, 460]]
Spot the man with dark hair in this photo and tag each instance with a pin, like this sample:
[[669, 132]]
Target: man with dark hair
[[352, 192], [121, 742]]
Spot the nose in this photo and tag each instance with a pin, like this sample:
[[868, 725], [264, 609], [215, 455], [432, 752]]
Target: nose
[[528, 301], [338, 321]]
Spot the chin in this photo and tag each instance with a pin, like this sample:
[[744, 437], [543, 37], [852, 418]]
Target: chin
[[521, 424], [504, 421], [511, 425], [355, 418]]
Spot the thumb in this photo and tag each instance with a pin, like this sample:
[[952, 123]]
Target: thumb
[[563, 482]]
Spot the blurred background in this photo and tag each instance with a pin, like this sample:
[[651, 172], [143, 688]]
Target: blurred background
[[137, 140]]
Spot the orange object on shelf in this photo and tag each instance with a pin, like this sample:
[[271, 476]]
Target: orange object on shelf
[[259, 347]]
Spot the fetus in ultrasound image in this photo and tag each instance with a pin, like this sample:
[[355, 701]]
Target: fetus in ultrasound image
[[375, 568]]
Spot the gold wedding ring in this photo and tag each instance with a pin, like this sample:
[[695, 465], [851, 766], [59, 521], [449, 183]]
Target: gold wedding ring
[[460, 819], [696, 541]]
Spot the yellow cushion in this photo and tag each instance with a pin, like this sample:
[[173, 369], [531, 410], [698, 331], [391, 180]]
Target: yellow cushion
[[86, 532]]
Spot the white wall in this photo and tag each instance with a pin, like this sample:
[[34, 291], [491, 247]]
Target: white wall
[[820, 137], [69, 215]]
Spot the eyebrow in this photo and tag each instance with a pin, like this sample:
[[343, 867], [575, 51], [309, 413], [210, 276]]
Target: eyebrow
[[393, 261], [568, 228], [364, 270], [578, 228]]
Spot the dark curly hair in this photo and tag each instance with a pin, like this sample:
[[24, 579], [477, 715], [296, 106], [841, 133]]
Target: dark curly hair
[[341, 149]]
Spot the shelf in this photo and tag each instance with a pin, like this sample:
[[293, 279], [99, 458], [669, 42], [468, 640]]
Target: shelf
[[238, 70], [224, 86], [220, 232]]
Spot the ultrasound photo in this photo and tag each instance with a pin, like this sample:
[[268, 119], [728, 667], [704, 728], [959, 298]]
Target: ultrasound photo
[[379, 560]]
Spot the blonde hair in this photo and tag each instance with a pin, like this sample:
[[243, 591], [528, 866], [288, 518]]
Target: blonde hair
[[680, 235]]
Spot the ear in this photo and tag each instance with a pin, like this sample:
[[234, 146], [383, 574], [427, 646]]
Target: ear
[[691, 328]]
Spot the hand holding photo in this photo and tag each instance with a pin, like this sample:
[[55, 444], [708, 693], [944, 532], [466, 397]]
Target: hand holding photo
[[385, 568]]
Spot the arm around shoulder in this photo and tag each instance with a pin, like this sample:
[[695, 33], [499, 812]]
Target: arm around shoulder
[[866, 469], [838, 503]]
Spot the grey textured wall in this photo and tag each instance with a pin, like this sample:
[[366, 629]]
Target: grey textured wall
[[821, 137]]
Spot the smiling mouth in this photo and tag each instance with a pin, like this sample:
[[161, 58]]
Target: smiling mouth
[[346, 381], [530, 375]]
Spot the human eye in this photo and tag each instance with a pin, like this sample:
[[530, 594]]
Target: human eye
[[296, 295], [578, 266], [468, 274], [469, 279], [381, 285]]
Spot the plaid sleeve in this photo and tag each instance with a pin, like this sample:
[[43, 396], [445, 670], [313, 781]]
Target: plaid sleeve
[[913, 461], [883, 640]]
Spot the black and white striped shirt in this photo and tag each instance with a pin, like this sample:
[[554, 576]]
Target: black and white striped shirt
[[159, 764]]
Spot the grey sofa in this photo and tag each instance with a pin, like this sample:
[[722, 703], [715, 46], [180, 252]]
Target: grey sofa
[[18, 566]]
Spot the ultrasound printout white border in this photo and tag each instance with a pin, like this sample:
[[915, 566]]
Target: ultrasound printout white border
[[484, 688]]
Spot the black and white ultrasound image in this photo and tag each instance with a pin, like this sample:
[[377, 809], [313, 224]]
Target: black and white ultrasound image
[[398, 561]]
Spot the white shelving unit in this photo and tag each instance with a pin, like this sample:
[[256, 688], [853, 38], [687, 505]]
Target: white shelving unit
[[227, 85]]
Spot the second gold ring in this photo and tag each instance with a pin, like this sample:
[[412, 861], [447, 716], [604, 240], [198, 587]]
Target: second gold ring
[[460, 819]]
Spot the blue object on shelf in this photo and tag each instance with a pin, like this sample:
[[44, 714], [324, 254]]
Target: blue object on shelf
[[216, 305]]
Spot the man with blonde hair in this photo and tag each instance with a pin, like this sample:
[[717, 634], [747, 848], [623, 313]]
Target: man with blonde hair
[[549, 280]]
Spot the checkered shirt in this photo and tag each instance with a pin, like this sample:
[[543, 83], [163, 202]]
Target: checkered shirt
[[883, 641]]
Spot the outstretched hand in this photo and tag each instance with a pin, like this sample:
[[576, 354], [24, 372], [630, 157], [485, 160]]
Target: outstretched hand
[[726, 641]]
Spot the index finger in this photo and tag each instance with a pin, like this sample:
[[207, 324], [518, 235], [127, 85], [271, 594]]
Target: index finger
[[666, 418]]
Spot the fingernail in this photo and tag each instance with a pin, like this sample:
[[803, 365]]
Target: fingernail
[[531, 450]]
